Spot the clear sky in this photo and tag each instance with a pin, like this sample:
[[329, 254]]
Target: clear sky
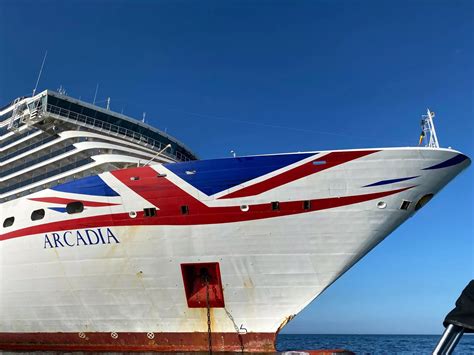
[[282, 76]]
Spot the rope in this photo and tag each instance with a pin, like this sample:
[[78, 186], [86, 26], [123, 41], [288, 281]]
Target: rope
[[237, 330]]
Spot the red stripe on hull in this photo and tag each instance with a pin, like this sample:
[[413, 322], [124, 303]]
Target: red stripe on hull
[[162, 342], [65, 201], [330, 160], [168, 197]]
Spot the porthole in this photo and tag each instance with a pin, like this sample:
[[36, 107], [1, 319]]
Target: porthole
[[37, 215], [74, 207], [244, 208], [8, 222], [132, 214], [381, 205]]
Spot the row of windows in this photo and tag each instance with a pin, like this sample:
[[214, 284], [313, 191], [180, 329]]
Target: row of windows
[[46, 175], [275, 205], [32, 162], [27, 148], [36, 215], [16, 137], [78, 207]]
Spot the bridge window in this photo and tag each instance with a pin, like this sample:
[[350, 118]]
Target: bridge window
[[74, 207], [37, 215], [8, 222]]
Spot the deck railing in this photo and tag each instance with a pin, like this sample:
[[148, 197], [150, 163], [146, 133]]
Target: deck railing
[[109, 128]]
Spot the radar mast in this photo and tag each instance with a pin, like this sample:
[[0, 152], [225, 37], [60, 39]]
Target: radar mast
[[428, 130]]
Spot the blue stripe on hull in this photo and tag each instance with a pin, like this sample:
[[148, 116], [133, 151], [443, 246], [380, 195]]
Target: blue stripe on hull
[[58, 209], [391, 181], [450, 162], [91, 185]]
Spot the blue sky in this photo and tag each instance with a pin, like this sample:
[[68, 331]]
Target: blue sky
[[281, 76]]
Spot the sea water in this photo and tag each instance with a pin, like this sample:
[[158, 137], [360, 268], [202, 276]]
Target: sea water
[[370, 344]]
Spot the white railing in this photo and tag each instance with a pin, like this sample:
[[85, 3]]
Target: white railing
[[109, 128]]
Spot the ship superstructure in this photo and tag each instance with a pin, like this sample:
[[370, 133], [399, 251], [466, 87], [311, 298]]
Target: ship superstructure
[[183, 254], [51, 138]]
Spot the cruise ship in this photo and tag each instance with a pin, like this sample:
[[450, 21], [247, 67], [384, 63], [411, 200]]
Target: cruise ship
[[115, 237]]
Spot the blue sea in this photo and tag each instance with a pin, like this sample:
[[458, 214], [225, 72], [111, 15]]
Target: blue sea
[[370, 344]]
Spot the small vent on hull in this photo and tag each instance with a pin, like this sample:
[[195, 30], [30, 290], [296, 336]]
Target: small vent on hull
[[184, 209], [405, 205], [196, 277], [307, 205]]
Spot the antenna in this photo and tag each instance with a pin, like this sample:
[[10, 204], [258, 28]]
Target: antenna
[[143, 118], [95, 95], [108, 103], [40, 72], [62, 90], [157, 154]]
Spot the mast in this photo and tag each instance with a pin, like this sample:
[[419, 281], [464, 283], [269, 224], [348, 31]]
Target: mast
[[427, 126]]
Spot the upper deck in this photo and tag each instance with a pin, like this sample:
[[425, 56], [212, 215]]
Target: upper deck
[[52, 138], [70, 110]]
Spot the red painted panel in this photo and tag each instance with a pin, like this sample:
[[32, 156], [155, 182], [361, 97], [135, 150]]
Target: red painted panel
[[169, 213], [65, 201], [167, 342], [330, 160], [196, 288]]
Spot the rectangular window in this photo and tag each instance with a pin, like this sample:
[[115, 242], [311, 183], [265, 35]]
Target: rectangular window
[[275, 206], [307, 205], [184, 209], [149, 212]]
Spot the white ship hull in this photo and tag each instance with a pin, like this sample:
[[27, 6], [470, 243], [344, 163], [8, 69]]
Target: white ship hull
[[105, 279]]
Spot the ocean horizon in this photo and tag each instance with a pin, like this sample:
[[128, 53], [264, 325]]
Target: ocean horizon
[[371, 343]]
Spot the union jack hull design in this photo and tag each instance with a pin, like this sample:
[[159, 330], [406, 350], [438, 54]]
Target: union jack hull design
[[112, 261]]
